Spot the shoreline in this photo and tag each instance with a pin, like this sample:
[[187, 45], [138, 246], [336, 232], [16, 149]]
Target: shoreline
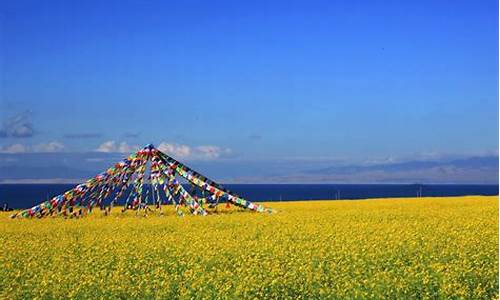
[[320, 201]]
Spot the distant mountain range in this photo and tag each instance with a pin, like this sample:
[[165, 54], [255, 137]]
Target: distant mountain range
[[477, 170], [12, 173], [474, 163], [69, 167]]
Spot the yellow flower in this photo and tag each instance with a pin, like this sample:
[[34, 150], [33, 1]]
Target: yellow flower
[[373, 249]]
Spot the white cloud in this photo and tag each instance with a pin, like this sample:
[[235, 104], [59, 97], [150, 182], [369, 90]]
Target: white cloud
[[18, 126], [39, 148], [14, 148], [49, 147], [112, 146], [204, 152], [179, 151], [126, 148], [211, 152], [108, 146]]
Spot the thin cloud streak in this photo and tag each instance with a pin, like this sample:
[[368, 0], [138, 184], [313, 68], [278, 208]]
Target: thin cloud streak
[[87, 135]]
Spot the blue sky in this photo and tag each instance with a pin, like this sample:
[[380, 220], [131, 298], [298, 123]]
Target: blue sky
[[327, 81]]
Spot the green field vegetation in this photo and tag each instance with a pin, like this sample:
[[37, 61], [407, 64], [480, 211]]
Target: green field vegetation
[[386, 248]]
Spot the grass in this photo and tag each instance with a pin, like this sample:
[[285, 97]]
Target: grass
[[386, 248]]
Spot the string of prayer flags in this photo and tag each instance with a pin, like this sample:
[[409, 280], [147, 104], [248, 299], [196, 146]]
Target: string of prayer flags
[[130, 179]]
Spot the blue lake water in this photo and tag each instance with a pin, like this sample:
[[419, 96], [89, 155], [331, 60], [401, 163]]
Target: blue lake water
[[27, 195]]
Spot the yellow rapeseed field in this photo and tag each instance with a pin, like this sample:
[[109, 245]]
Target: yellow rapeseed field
[[386, 248]]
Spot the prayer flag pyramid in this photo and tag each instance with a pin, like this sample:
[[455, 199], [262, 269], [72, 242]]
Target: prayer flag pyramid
[[146, 178]]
